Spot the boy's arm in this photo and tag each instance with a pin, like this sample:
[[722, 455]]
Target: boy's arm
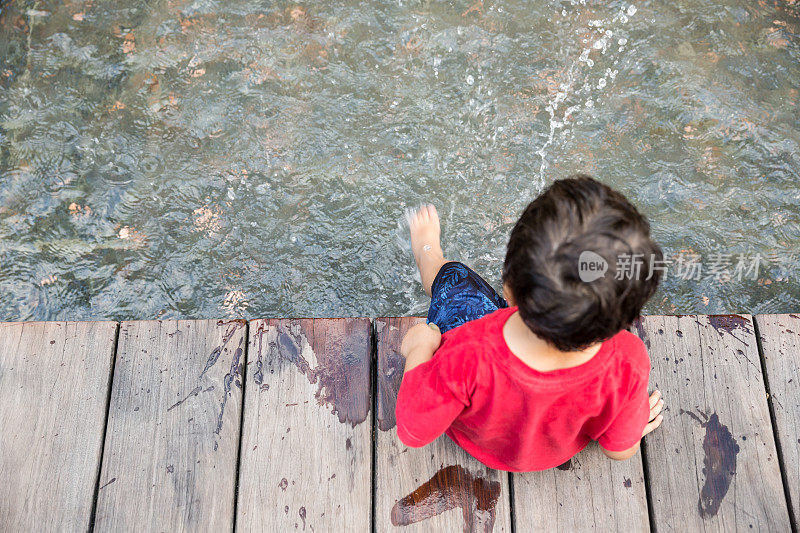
[[433, 390], [653, 421], [419, 344]]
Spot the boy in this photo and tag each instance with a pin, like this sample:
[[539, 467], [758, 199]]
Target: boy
[[525, 384]]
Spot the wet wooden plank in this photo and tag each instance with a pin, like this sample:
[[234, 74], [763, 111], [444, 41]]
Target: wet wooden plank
[[713, 464], [589, 492], [435, 488], [307, 448], [54, 379], [780, 342], [173, 428]]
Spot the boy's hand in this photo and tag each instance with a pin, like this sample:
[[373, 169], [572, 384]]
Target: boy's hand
[[655, 418], [422, 338]]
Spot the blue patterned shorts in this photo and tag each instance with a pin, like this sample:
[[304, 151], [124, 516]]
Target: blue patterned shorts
[[459, 295]]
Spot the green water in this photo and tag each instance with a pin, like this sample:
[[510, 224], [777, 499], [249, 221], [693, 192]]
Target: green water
[[212, 158]]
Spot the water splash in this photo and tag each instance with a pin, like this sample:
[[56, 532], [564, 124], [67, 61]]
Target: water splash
[[560, 113]]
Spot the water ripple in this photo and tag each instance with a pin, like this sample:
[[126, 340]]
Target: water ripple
[[208, 159]]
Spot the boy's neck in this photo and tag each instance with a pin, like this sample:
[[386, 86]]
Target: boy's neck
[[536, 353]]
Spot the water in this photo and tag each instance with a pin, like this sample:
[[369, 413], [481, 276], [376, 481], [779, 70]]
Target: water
[[180, 158]]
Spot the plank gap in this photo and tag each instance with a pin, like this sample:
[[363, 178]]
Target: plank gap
[[647, 493], [637, 328], [105, 428], [373, 337], [241, 424], [512, 508], [774, 423]]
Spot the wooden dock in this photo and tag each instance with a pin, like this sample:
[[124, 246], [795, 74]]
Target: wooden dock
[[275, 425]]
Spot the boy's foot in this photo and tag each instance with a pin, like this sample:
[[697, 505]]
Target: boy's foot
[[425, 243]]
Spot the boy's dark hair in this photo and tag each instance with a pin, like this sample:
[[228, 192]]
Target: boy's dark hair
[[542, 270]]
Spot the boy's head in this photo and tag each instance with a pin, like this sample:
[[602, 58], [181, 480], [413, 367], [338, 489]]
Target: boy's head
[[545, 271]]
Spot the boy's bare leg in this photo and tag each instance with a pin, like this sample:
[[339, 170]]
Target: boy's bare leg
[[426, 245]]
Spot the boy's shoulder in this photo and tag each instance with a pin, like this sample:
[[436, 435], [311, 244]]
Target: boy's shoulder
[[632, 351]]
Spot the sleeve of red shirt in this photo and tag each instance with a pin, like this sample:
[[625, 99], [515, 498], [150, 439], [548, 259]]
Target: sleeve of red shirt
[[627, 426], [433, 394]]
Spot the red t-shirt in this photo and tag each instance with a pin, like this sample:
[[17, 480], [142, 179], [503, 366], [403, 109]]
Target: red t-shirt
[[512, 417]]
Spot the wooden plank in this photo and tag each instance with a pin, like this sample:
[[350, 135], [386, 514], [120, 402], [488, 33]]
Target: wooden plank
[[713, 464], [173, 430], [589, 492], [435, 488], [54, 379], [780, 343], [307, 448]]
